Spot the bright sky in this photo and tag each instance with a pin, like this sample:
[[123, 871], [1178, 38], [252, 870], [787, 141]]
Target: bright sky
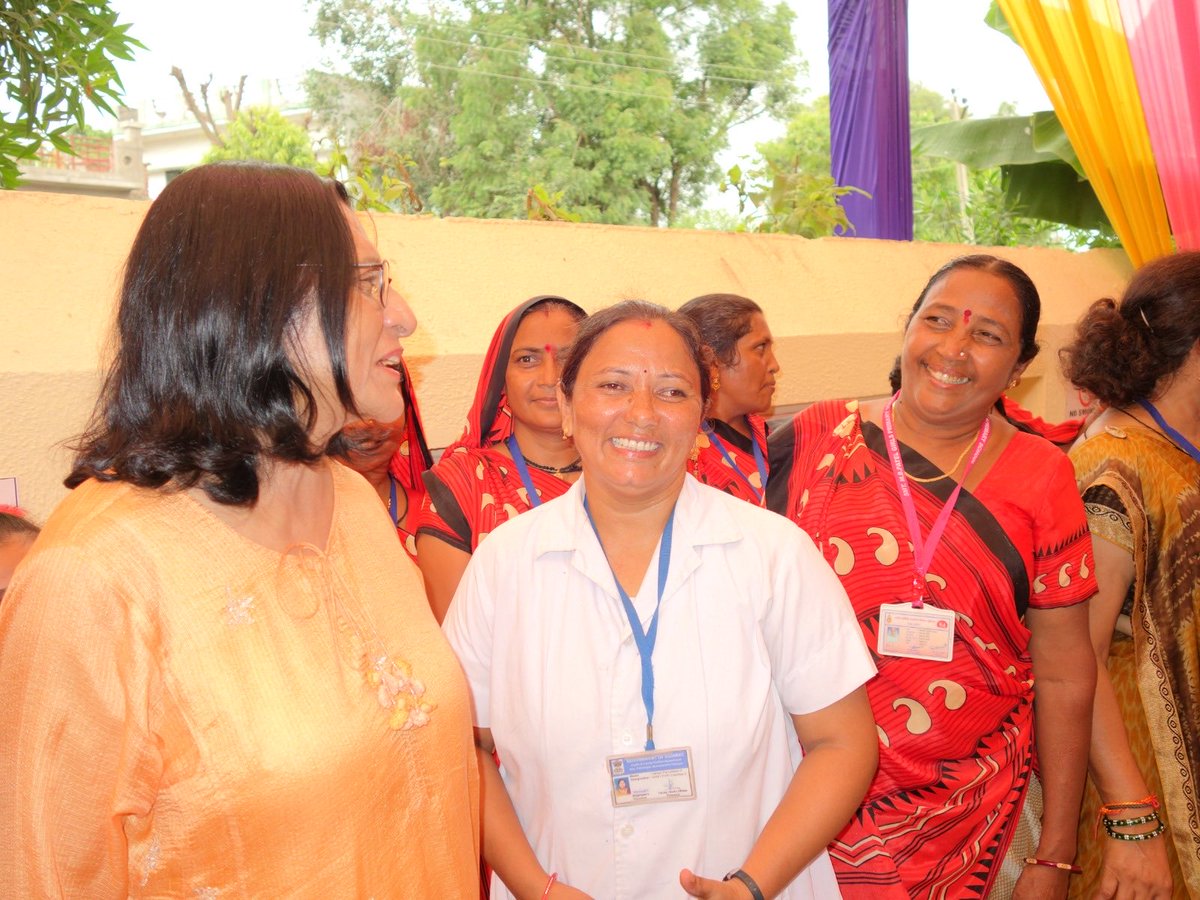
[[268, 40]]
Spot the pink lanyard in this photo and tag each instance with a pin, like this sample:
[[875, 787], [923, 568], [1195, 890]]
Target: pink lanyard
[[923, 549]]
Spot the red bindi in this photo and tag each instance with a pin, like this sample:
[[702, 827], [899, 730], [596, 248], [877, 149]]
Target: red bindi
[[966, 316]]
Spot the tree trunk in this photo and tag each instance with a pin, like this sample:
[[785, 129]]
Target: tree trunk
[[673, 198], [204, 120]]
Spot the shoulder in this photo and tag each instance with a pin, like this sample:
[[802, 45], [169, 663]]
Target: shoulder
[[1037, 466], [828, 415], [350, 486], [523, 536], [837, 419], [718, 517], [460, 459], [104, 517], [105, 538]]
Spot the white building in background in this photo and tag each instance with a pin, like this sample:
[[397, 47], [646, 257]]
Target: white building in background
[[151, 145], [173, 141], [98, 166]]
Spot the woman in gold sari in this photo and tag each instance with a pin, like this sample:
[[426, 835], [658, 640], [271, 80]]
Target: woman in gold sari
[[1138, 467]]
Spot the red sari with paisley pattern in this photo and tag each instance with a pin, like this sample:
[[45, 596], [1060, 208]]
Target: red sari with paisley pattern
[[710, 467], [410, 461], [956, 738], [473, 487]]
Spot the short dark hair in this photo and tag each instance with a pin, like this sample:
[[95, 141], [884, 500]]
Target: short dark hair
[[723, 320], [595, 325], [1121, 351], [13, 525], [229, 260], [1021, 284]]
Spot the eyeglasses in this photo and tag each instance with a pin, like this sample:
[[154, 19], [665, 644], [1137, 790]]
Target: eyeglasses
[[375, 280]]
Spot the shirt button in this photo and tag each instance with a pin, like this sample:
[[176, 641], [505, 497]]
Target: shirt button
[[626, 830], [627, 739]]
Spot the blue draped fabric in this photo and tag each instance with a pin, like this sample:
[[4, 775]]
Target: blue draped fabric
[[868, 114]]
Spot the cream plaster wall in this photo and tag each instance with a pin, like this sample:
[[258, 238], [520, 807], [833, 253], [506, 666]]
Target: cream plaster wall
[[835, 305]]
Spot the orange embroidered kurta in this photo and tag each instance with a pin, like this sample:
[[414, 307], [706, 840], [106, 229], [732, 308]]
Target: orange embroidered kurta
[[187, 713]]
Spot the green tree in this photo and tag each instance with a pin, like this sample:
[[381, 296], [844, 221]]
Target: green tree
[[617, 110], [262, 132], [949, 205], [57, 57]]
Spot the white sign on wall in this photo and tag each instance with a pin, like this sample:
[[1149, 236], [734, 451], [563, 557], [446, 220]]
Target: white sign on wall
[[1079, 403], [8, 492]]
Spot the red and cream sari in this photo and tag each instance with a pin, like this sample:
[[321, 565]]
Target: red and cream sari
[[956, 738]]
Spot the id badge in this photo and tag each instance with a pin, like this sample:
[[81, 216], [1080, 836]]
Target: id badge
[[925, 633], [654, 776]]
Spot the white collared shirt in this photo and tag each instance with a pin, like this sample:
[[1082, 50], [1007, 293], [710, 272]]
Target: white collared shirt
[[753, 626]]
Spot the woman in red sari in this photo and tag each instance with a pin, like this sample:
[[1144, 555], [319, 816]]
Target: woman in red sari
[[964, 549], [511, 456], [731, 449], [392, 456]]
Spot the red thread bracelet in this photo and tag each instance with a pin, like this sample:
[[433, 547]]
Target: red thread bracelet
[[1105, 809], [1049, 863], [1151, 801], [549, 884]]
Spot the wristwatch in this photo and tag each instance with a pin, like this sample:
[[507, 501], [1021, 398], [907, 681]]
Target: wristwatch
[[745, 879]]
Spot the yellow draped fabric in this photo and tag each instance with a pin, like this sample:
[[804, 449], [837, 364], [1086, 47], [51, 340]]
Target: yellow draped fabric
[[1079, 51]]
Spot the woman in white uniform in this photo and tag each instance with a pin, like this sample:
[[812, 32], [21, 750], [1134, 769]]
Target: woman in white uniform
[[645, 651]]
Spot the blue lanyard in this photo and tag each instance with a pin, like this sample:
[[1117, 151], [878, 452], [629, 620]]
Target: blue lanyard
[[1180, 441], [523, 470], [392, 511], [644, 639], [759, 462]]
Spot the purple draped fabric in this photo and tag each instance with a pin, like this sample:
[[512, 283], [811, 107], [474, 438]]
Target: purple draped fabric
[[868, 114], [1164, 43]]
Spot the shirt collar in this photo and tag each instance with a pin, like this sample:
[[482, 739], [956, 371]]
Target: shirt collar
[[701, 518]]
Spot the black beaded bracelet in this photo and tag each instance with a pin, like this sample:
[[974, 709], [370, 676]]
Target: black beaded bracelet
[[1125, 823], [749, 882], [1142, 836]]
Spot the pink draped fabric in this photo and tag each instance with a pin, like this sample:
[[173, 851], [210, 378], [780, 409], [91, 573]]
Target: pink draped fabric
[[1164, 43]]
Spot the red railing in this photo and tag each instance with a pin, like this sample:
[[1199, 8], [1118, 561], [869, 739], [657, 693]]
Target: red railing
[[91, 154]]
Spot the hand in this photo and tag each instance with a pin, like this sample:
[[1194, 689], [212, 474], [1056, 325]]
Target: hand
[[1134, 870], [1041, 883], [695, 886]]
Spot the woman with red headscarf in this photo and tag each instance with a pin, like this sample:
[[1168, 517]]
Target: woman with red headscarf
[[512, 455]]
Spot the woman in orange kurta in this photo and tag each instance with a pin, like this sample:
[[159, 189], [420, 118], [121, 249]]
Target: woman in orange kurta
[[219, 674]]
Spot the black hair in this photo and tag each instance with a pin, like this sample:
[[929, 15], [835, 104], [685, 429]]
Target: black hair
[[723, 320], [595, 325], [228, 262], [1122, 351]]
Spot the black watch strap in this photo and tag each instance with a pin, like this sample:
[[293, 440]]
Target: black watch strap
[[749, 882]]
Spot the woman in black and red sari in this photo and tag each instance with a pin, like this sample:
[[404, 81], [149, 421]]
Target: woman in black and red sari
[[963, 545], [511, 456], [731, 449]]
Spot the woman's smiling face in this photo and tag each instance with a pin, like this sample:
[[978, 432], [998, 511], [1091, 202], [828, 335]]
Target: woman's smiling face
[[961, 348], [634, 410]]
